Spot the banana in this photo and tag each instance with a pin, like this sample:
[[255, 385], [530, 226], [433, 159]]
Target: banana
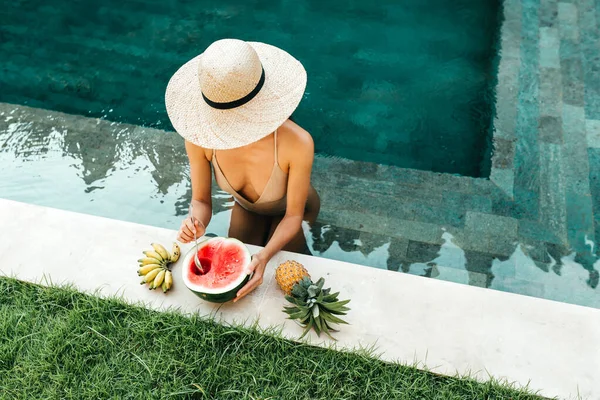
[[149, 260], [149, 277], [153, 254], [154, 266], [147, 268], [160, 277], [159, 248], [168, 279], [175, 253]]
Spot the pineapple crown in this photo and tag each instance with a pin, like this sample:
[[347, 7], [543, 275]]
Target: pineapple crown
[[306, 290], [315, 307]]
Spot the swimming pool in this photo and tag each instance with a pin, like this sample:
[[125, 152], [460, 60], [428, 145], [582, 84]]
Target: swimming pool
[[532, 228], [403, 83]]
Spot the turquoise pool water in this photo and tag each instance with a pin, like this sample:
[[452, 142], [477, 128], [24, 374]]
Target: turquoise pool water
[[407, 83], [141, 175], [532, 228]]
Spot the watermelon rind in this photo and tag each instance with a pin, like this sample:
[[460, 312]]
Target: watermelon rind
[[216, 295]]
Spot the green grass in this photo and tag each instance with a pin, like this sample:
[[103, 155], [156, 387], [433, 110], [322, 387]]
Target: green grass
[[56, 343]]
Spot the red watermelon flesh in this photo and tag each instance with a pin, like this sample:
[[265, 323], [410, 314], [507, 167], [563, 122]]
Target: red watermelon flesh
[[223, 261]]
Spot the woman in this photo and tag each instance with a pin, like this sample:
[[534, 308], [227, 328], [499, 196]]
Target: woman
[[232, 105]]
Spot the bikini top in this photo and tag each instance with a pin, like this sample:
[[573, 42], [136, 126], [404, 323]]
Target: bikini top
[[272, 201]]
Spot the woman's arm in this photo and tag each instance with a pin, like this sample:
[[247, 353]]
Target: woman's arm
[[201, 193], [297, 194]]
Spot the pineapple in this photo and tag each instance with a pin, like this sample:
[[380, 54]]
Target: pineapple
[[314, 307], [288, 274]]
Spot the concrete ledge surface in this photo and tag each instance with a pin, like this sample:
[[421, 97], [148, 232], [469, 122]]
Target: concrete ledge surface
[[450, 328]]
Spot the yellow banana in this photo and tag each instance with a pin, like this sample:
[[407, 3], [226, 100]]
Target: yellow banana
[[175, 253], [153, 254], [168, 279], [160, 249], [164, 287], [149, 260], [158, 280], [147, 268], [152, 274]]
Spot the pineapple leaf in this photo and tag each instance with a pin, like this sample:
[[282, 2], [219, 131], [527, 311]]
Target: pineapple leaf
[[332, 318], [299, 291], [337, 304], [313, 307], [317, 325], [326, 330], [297, 302], [305, 282], [335, 309], [315, 311], [290, 299], [299, 315], [320, 297], [338, 312], [320, 283], [290, 310], [307, 328], [304, 308], [298, 312], [330, 327], [330, 297]]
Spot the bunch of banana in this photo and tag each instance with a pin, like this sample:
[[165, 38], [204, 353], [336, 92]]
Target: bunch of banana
[[154, 267]]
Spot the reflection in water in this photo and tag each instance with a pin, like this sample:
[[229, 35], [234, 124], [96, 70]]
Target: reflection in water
[[520, 274], [94, 166], [141, 175], [329, 242], [562, 279], [449, 265]]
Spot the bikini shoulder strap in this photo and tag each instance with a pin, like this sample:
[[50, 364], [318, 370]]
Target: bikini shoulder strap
[[276, 161]]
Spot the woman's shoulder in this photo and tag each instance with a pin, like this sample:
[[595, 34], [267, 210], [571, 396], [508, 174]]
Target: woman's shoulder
[[295, 145], [293, 135], [197, 153]]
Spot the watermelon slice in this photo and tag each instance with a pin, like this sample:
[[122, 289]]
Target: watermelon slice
[[224, 269]]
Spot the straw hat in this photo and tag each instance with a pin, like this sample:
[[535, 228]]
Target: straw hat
[[234, 93]]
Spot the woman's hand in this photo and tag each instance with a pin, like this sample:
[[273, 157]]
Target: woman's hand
[[257, 265], [189, 226]]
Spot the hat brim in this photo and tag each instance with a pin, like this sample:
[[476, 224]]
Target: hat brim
[[199, 123]]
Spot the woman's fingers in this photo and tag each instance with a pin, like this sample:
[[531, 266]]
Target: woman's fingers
[[256, 280], [189, 228], [183, 238], [186, 232], [249, 287], [253, 264], [192, 227]]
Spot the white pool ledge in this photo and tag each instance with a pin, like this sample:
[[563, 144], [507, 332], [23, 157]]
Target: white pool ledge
[[450, 328]]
